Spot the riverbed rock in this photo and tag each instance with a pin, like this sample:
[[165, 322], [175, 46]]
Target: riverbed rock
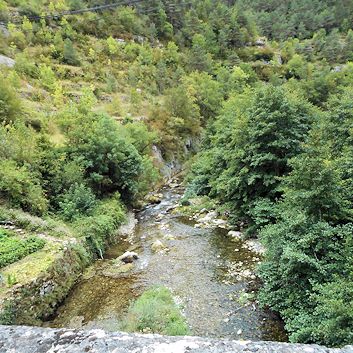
[[158, 246], [127, 228], [169, 237], [89, 273], [128, 257], [255, 246], [23, 339], [235, 234], [208, 218], [219, 222], [154, 198]]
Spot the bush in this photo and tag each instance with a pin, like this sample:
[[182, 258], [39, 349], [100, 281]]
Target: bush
[[21, 188], [10, 105], [155, 311], [25, 66], [13, 249], [100, 228], [77, 201]]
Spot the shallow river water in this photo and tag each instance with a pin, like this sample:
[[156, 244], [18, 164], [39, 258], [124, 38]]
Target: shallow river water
[[203, 268]]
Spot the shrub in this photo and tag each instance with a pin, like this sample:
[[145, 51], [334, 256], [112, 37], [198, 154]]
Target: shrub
[[78, 200], [21, 188], [155, 311], [10, 105], [100, 228], [25, 66]]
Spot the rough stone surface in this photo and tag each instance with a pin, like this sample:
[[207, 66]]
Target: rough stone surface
[[4, 60], [158, 246], [128, 257], [22, 339]]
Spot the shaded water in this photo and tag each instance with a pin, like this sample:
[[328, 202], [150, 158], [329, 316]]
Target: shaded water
[[203, 268]]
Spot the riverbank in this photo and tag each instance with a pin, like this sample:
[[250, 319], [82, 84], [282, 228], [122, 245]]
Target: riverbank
[[32, 287]]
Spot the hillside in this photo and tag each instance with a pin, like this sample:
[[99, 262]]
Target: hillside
[[252, 99]]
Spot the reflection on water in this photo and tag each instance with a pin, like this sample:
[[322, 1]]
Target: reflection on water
[[207, 271]]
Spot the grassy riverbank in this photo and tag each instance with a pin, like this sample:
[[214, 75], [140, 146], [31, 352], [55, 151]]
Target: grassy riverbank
[[32, 286]]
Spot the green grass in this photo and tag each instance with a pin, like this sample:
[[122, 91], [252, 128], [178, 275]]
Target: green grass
[[13, 248], [155, 311]]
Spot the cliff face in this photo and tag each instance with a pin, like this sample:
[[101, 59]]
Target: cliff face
[[23, 339]]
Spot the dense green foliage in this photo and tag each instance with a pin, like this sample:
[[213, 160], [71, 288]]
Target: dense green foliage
[[155, 311], [13, 248], [310, 246], [281, 19], [100, 227], [244, 165], [260, 90]]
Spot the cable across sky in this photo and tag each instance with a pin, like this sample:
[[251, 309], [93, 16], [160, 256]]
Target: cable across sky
[[132, 3]]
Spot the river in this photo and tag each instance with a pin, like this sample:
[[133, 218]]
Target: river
[[203, 269]]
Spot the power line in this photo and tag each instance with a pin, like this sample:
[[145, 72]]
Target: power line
[[92, 9]]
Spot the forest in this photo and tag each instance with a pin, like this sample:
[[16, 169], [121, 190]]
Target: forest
[[255, 98]]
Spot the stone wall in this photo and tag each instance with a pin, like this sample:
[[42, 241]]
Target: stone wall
[[22, 339], [33, 301]]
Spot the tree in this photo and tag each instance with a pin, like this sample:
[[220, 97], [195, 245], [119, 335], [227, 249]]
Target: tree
[[199, 58], [304, 261], [348, 46], [78, 200], [208, 93], [269, 134], [69, 53], [111, 163], [307, 272], [10, 105]]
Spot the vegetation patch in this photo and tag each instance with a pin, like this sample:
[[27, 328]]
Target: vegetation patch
[[191, 205], [156, 311], [13, 248]]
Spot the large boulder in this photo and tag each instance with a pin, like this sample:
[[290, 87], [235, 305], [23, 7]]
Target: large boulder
[[235, 234], [128, 257]]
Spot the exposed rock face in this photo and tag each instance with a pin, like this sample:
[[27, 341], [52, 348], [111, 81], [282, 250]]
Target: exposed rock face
[[4, 31], [22, 339], [127, 229], [4, 60]]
